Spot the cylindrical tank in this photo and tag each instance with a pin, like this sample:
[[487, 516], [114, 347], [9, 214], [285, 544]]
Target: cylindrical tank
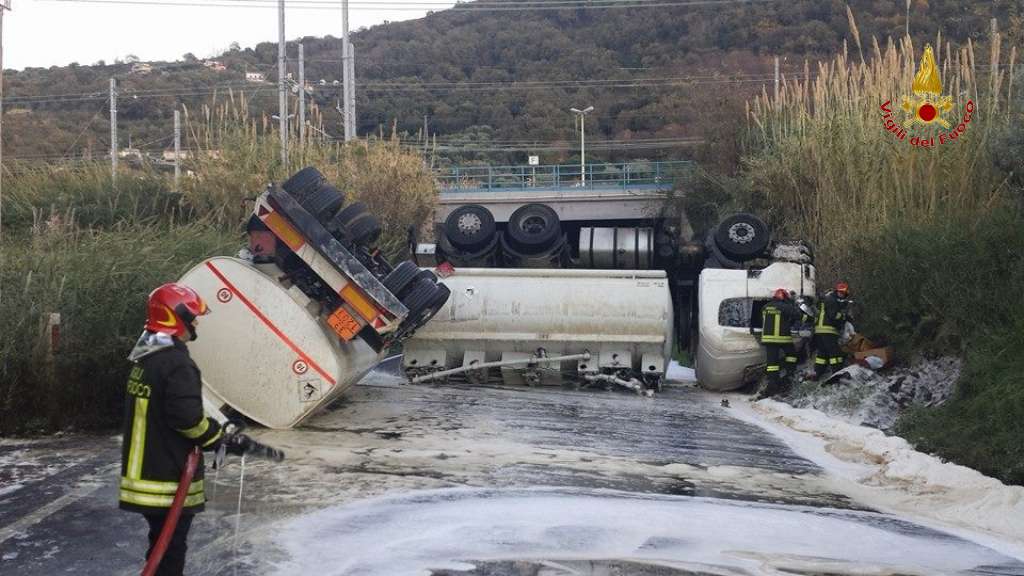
[[496, 312], [627, 248], [264, 350]]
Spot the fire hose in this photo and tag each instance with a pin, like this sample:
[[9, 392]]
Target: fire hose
[[174, 514], [191, 463]]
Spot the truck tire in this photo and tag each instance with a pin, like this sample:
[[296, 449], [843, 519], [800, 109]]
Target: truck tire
[[303, 183], [423, 300], [364, 230], [399, 279], [533, 228], [742, 237], [469, 228], [324, 202]]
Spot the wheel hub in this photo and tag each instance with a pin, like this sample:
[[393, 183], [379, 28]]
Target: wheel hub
[[469, 224], [534, 225], [742, 233]]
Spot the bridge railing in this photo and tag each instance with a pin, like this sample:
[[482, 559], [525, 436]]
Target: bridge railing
[[562, 176]]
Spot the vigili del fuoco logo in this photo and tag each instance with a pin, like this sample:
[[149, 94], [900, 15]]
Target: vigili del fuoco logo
[[927, 107]]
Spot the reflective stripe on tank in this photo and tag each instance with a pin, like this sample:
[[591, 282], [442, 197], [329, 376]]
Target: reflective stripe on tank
[[137, 445]]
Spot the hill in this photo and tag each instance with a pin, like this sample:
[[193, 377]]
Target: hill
[[665, 73]]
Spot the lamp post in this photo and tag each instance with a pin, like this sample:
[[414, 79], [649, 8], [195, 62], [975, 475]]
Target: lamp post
[[583, 166]]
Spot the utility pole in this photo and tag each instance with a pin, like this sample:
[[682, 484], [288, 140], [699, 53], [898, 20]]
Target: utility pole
[[4, 6], [302, 97], [113, 131], [583, 164], [282, 86], [776, 91], [177, 150], [347, 77]]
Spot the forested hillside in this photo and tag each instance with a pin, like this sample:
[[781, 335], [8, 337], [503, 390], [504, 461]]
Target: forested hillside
[[500, 79]]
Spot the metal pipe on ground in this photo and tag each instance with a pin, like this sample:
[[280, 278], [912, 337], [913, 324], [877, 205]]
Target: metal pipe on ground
[[497, 364]]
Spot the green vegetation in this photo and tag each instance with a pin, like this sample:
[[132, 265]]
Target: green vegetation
[[76, 245], [931, 240]]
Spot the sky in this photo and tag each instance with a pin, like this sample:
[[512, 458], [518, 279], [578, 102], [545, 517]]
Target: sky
[[41, 33]]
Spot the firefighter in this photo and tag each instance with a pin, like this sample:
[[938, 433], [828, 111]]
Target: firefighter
[[164, 420], [832, 316], [777, 320]]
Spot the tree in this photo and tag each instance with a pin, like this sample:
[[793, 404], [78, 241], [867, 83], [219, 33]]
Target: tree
[[190, 58], [131, 59], [234, 47]]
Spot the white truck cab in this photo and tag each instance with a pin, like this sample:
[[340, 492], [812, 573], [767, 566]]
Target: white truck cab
[[727, 354]]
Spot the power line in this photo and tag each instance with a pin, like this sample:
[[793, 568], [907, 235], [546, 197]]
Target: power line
[[512, 5]]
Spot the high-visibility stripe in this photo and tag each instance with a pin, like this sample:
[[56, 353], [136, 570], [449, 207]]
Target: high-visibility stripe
[[197, 430], [137, 445], [158, 501], [791, 359], [776, 339], [836, 360], [772, 368], [158, 487], [778, 324], [214, 438], [820, 327], [820, 360]]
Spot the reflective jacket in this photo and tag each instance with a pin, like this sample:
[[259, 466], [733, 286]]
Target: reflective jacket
[[163, 421], [777, 319], [831, 315]]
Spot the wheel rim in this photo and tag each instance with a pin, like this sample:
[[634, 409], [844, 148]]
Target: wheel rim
[[534, 224], [742, 233], [469, 224]]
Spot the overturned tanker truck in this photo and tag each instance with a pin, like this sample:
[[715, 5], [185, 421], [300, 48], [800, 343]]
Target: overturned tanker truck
[[533, 293], [597, 287]]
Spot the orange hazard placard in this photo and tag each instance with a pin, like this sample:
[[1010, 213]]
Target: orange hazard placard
[[343, 324]]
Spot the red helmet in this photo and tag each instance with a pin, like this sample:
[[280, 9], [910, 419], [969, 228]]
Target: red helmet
[[172, 308], [842, 289], [780, 294]]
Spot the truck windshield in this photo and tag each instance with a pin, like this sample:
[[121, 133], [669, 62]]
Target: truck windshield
[[741, 312]]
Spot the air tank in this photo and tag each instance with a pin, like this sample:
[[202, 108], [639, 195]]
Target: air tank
[[623, 318]]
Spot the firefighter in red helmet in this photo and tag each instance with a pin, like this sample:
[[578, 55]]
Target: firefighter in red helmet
[[777, 319], [164, 420], [832, 316]]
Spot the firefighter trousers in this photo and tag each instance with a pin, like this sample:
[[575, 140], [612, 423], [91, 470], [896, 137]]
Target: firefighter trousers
[[827, 356], [173, 563], [778, 356]]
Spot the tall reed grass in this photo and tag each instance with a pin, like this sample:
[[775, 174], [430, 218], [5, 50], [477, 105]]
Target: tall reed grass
[[831, 172]]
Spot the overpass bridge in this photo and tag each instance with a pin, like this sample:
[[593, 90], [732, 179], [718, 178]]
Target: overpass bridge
[[625, 190]]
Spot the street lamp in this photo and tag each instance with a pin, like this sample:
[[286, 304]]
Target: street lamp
[[583, 167]]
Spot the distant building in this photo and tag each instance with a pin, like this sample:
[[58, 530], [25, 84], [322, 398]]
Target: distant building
[[215, 65], [141, 68], [255, 77], [129, 153]]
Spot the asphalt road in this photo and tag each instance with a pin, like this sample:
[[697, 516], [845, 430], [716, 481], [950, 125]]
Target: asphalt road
[[397, 479]]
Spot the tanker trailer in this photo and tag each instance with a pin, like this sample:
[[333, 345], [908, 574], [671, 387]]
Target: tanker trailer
[[548, 327], [307, 308]]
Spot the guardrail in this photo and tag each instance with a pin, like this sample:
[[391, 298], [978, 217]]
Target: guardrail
[[657, 175]]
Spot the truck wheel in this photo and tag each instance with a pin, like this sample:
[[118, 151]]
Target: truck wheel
[[364, 230], [533, 228], [423, 301], [469, 228], [324, 202], [303, 183], [399, 279], [742, 237]]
